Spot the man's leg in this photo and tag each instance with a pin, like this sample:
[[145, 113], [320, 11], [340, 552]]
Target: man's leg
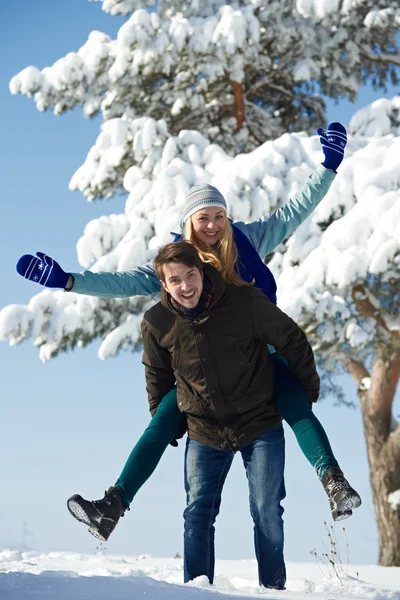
[[205, 472], [264, 461]]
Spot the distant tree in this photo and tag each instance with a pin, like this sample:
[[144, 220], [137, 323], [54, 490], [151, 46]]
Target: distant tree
[[26, 535]]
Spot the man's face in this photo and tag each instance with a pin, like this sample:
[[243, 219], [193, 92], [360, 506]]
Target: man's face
[[184, 284]]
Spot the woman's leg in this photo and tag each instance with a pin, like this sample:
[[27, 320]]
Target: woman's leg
[[165, 426], [103, 515], [294, 407]]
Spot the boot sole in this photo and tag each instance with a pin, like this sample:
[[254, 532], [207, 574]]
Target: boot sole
[[95, 531], [338, 515], [81, 515], [353, 501]]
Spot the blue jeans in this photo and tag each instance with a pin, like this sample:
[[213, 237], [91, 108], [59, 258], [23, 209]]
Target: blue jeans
[[205, 472]]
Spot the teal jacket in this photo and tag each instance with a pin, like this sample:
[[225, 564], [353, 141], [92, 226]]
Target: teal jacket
[[265, 234]]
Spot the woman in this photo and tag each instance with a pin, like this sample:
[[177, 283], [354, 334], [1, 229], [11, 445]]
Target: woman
[[236, 250]]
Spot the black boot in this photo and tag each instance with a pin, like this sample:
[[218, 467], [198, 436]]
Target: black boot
[[101, 516], [342, 497], [339, 515]]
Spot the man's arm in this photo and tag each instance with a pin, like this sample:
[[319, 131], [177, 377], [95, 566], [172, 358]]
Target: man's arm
[[275, 327], [160, 377]]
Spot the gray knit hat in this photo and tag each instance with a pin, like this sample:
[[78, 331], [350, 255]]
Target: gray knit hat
[[202, 196]]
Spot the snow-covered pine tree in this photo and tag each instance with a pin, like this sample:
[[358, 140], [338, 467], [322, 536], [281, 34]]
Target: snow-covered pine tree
[[239, 74], [339, 277]]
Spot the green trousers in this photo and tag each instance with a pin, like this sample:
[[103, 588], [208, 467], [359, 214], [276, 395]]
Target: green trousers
[[291, 402]]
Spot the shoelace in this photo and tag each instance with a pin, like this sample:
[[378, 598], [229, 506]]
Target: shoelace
[[106, 500], [338, 481]]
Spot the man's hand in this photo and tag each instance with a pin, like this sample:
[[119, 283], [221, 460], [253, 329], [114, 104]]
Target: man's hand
[[43, 270], [333, 142]]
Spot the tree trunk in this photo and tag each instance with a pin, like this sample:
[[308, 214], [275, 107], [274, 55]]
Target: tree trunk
[[383, 447], [239, 104]]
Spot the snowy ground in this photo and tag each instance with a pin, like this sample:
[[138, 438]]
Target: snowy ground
[[67, 576]]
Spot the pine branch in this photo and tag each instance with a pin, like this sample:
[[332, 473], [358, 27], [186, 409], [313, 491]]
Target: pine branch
[[381, 59], [366, 307], [356, 369]]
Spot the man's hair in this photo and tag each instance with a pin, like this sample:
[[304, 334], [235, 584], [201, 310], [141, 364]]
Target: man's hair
[[176, 252]]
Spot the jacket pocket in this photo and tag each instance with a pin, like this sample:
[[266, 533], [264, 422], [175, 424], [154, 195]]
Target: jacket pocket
[[188, 368], [236, 354], [192, 405], [251, 401]]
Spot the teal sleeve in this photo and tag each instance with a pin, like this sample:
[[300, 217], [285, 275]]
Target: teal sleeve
[[266, 234], [139, 281]]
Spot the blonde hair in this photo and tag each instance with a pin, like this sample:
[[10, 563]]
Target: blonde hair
[[222, 256]]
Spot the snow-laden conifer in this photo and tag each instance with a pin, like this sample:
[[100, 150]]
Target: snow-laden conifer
[[238, 72], [228, 94]]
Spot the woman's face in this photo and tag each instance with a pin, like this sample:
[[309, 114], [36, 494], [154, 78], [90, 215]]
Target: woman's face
[[209, 224]]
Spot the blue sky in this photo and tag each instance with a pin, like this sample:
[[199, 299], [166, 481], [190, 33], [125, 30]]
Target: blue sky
[[68, 426]]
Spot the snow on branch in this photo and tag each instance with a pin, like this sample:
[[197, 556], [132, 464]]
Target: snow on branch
[[104, 71], [78, 79], [338, 275], [188, 64], [121, 144], [58, 322], [378, 119], [394, 500], [381, 18], [124, 7]]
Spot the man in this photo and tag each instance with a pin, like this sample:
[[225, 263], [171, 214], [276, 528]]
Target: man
[[211, 337]]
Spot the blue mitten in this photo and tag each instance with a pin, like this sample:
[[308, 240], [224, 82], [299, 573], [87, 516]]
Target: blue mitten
[[333, 142], [42, 269]]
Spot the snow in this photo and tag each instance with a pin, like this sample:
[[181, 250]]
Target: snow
[[316, 269], [317, 8], [377, 119], [105, 232], [123, 7], [121, 336], [394, 500], [379, 18], [63, 575], [365, 384], [27, 81], [181, 60]]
